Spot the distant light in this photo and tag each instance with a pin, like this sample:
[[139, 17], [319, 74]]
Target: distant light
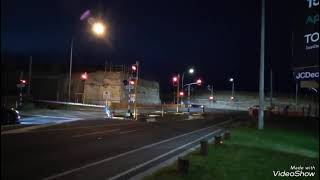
[[191, 70], [23, 81], [199, 81], [134, 67], [131, 82], [181, 93], [232, 98], [98, 28], [84, 76], [211, 97], [174, 79], [231, 79]]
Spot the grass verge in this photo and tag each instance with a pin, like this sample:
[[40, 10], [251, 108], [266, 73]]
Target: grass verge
[[251, 154]]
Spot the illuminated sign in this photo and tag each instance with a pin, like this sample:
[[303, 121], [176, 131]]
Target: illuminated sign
[[305, 36], [304, 74]]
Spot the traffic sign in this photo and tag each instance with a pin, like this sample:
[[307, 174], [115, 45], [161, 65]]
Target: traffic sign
[[129, 86], [132, 97], [21, 85]]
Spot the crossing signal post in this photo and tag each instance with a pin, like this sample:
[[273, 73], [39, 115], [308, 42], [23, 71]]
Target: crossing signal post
[[135, 75], [21, 85], [175, 83], [84, 77]]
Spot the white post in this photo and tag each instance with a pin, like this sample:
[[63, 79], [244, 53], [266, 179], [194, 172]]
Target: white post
[[271, 88], [297, 87], [189, 98], [261, 80], [70, 70], [232, 89], [30, 73]]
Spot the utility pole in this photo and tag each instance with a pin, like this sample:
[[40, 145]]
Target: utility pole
[[178, 86], [297, 88], [105, 65], [30, 75], [70, 70], [271, 89], [232, 94], [261, 80], [189, 98]]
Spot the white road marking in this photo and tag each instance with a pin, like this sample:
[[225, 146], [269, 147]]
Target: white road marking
[[125, 132], [161, 156], [94, 133], [87, 127], [54, 117], [26, 129], [128, 152]]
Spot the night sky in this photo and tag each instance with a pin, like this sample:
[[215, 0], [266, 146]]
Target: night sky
[[221, 39]]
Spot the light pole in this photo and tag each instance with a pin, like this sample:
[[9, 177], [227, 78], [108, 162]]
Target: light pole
[[198, 82], [98, 29], [190, 71], [261, 78], [232, 92], [70, 70], [210, 88]]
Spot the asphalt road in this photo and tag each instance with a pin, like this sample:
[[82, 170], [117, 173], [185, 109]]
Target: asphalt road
[[99, 148]]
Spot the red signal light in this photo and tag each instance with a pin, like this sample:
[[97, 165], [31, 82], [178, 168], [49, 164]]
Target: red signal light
[[84, 76], [199, 81], [22, 81], [134, 67], [174, 79]]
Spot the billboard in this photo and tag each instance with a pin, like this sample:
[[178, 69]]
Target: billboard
[[305, 35]]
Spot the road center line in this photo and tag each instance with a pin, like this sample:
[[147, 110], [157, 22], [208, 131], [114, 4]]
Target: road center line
[[125, 132], [94, 133], [161, 156], [128, 152], [87, 127]]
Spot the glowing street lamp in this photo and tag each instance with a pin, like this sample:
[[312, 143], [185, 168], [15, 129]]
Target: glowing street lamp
[[98, 28], [191, 71]]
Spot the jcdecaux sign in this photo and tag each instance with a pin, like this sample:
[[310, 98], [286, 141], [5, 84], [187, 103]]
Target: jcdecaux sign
[[307, 74]]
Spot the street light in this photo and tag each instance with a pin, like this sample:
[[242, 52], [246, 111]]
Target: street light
[[232, 93], [190, 71], [98, 29], [198, 82]]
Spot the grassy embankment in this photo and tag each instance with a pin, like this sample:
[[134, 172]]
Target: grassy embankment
[[255, 154]]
